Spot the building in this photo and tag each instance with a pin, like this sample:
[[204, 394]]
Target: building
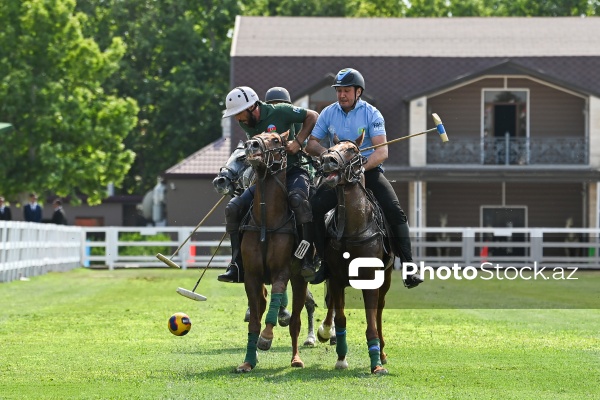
[[519, 97]]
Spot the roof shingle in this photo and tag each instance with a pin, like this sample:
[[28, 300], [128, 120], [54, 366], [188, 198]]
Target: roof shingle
[[416, 37], [206, 161]]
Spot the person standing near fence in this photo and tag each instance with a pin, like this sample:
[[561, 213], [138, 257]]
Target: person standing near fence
[[5, 213], [58, 216], [32, 211]]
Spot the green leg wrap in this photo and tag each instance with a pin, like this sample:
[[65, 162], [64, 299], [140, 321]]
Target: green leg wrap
[[251, 349], [341, 346], [284, 299], [273, 308], [374, 353]]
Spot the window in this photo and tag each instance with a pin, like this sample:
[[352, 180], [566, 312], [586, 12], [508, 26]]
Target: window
[[505, 126]]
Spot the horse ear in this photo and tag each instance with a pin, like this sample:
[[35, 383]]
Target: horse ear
[[360, 139], [285, 135], [336, 139]]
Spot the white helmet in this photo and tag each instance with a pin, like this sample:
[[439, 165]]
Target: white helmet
[[238, 100]]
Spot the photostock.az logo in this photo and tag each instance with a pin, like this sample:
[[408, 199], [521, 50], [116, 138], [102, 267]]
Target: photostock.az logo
[[365, 262]]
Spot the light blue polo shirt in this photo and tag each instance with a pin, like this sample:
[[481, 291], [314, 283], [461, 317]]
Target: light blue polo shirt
[[364, 117]]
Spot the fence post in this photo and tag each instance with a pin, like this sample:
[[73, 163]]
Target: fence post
[[468, 246], [537, 248], [112, 247]]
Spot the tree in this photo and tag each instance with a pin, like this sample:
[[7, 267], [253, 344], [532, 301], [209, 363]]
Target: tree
[[69, 133], [177, 68]]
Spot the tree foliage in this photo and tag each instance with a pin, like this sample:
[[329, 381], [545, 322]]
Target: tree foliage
[[68, 137], [88, 84], [177, 68]]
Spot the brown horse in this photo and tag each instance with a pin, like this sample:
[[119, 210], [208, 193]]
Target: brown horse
[[233, 178], [355, 231], [267, 248]]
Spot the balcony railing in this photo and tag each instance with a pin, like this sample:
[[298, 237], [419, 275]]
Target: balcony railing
[[509, 151]]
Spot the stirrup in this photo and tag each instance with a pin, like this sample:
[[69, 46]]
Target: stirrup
[[302, 249], [234, 274]]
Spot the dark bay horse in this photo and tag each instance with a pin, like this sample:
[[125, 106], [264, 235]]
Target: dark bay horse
[[233, 178], [356, 231], [267, 248]]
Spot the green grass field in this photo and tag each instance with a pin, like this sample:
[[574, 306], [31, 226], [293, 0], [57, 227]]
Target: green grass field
[[97, 334]]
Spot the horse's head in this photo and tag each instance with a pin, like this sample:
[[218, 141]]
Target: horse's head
[[343, 163], [266, 152], [228, 179]]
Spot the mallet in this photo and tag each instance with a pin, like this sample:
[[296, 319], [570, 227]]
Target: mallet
[[439, 128], [169, 261], [192, 294]]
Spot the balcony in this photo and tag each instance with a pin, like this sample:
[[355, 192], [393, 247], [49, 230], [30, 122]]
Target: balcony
[[509, 151]]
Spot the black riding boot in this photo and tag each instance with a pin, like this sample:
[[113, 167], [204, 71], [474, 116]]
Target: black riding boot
[[402, 248], [319, 235], [308, 264], [235, 270]]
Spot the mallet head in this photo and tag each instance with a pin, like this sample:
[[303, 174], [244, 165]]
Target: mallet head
[[190, 295], [440, 127], [167, 261]]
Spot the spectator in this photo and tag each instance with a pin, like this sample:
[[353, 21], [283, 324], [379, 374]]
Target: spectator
[[58, 217], [5, 213], [32, 211]]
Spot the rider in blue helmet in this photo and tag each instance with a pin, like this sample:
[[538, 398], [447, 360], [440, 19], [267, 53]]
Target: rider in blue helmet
[[348, 119]]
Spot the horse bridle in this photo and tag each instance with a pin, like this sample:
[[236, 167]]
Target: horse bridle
[[269, 156], [351, 169]]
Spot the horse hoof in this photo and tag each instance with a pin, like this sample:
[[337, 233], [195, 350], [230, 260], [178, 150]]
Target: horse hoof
[[333, 341], [323, 333], [244, 368], [341, 364], [284, 317], [297, 362], [264, 344], [310, 341], [379, 370], [383, 359]]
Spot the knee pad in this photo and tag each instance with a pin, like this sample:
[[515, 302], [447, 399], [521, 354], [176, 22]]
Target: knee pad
[[300, 206], [234, 212]]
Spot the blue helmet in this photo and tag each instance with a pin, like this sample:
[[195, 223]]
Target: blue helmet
[[349, 77]]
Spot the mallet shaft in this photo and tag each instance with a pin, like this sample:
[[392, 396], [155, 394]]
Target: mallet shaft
[[439, 127], [399, 139], [169, 261]]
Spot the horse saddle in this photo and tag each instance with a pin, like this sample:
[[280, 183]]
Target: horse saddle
[[377, 227]]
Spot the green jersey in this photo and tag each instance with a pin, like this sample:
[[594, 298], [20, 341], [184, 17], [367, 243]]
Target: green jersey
[[280, 118]]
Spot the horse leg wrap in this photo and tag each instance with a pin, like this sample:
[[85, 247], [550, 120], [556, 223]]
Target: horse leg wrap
[[341, 346], [374, 353], [284, 299], [273, 308], [251, 349]]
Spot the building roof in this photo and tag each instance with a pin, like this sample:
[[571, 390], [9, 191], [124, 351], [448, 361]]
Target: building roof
[[416, 37], [506, 67], [206, 161]]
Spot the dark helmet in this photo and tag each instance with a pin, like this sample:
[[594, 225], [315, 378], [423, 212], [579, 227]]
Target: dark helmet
[[349, 77], [278, 94]]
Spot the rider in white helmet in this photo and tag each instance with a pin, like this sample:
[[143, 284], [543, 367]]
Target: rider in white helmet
[[254, 117]]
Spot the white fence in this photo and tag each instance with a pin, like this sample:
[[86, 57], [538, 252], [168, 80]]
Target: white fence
[[29, 249], [115, 246]]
